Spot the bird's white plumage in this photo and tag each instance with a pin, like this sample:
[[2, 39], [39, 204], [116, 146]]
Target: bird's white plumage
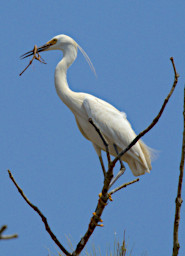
[[112, 123], [115, 128]]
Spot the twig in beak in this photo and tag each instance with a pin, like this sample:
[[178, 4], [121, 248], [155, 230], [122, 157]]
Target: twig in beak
[[36, 56]]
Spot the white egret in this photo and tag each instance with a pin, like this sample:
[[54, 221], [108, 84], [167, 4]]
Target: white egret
[[112, 123]]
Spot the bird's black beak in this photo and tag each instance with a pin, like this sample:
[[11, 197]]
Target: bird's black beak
[[40, 49]]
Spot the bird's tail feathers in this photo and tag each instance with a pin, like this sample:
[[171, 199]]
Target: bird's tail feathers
[[137, 167], [143, 164], [150, 152], [147, 154]]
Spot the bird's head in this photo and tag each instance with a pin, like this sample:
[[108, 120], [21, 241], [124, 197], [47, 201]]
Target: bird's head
[[63, 43], [60, 42]]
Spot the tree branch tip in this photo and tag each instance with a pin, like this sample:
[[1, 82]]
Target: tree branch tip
[[11, 176], [9, 173], [3, 228]]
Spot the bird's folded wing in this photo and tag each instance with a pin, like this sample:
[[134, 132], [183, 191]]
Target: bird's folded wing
[[112, 123]]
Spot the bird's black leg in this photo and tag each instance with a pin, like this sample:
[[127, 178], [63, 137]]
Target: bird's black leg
[[102, 165], [117, 152], [122, 168], [102, 138]]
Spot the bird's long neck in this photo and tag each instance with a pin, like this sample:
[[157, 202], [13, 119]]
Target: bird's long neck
[[61, 85]]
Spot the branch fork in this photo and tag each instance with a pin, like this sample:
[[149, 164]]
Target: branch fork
[[6, 237]]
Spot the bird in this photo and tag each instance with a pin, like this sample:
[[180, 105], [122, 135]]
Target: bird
[[111, 122]]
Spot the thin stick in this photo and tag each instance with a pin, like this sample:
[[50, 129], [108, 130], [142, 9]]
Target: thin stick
[[178, 201], [156, 119], [35, 208], [123, 186], [36, 56], [6, 237]]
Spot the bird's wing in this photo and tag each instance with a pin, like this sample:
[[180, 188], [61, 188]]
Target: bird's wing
[[112, 123]]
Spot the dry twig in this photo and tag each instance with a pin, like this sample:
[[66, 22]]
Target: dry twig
[[36, 56], [6, 237], [123, 186], [178, 201]]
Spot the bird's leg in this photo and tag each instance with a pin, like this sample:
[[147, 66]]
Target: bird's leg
[[102, 138], [102, 165], [117, 152], [121, 172], [122, 168]]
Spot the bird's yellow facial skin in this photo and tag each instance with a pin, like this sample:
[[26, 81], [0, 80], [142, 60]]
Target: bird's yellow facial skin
[[52, 42]]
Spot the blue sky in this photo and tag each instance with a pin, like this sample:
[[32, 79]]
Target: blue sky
[[130, 44]]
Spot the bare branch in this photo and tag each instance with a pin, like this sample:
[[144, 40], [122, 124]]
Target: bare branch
[[6, 237], [36, 56], [178, 201], [123, 186], [156, 119], [35, 208]]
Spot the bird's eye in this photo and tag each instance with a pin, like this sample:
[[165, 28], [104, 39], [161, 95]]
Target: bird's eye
[[53, 41]]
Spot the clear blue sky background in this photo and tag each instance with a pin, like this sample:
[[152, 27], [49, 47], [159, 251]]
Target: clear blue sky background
[[130, 44]]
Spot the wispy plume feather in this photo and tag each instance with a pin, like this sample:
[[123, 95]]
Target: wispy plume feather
[[87, 59]]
